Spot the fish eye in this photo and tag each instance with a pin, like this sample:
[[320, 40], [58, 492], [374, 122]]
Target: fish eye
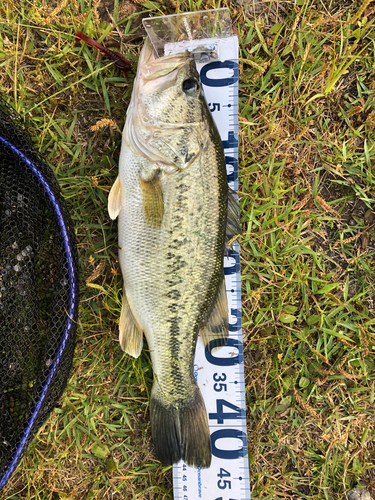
[[190, 86]]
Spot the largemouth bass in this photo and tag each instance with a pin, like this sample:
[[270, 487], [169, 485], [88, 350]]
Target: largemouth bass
[[172, 200]]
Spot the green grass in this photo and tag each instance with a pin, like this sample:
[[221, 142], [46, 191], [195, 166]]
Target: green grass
[[307, 167]]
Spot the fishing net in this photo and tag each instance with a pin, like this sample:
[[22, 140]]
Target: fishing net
[[38, 291]]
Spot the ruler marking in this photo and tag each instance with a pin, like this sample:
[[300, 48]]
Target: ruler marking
[[226, 408]]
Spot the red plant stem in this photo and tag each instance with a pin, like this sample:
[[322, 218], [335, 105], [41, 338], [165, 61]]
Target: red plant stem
[[118, 59]]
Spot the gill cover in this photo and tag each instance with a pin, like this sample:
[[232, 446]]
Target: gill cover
[[163, 123]]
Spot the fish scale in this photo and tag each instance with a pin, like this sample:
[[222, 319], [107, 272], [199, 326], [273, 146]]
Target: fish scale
[[168, 276]]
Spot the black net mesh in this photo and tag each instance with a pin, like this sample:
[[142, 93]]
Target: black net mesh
[[38, 291]]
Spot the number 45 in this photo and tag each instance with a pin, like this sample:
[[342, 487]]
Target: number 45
[[222, 483]]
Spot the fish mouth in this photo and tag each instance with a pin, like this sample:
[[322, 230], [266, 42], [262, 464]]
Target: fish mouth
[[157, 74], [152, 67]]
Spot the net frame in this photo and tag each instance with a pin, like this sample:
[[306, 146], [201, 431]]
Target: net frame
[[17, 142]]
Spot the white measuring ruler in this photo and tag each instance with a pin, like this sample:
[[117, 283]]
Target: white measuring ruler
[[220, 375]]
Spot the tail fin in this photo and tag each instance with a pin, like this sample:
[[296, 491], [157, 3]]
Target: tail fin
[[180, 432]]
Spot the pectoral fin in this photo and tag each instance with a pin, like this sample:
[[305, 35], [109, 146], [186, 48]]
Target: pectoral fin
[[114, 199], [131, 336], [214, 326], [233, 224], [153, 204]]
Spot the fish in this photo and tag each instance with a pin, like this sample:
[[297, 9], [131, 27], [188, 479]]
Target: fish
[[176, 215]]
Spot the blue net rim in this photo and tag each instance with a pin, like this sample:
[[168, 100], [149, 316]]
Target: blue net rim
[[71, 309]]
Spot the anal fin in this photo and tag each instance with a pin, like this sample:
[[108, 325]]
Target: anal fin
[[114, 199], [213, 329], [131, 336]]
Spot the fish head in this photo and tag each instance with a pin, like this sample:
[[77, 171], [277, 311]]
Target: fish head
[[167, 120]]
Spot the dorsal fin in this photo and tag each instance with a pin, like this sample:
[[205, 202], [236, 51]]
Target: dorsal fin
[[233, 223], [213, 329]]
